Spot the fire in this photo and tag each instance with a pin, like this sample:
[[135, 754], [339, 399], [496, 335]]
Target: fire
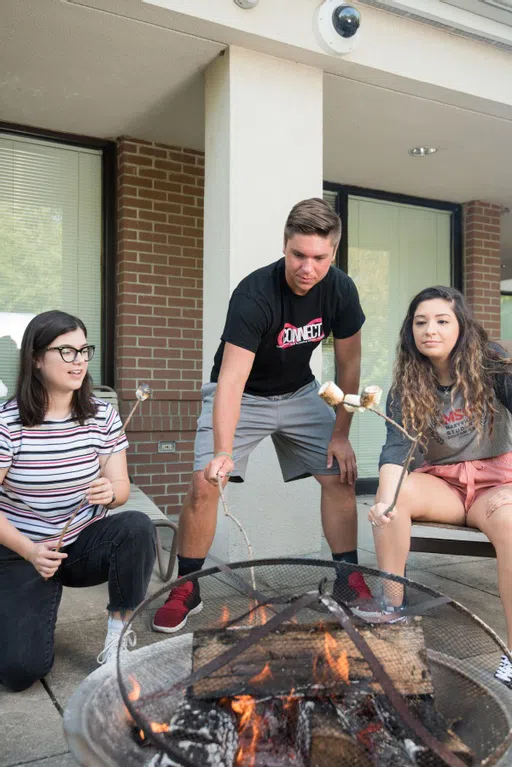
[[331, 659], [265, 673], [259, 615], [338, 661], [224, 619], [245, 706], [134, 693], [159, 727]]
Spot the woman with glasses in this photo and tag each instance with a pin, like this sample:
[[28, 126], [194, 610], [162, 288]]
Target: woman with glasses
[[55, 438]]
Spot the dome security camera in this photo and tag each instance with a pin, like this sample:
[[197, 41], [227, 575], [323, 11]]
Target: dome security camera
[[247, 4], [337, 26]]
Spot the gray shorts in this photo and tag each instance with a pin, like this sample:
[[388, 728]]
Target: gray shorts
[[300, 425]]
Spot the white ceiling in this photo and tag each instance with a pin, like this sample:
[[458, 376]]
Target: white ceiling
[[69, 67]]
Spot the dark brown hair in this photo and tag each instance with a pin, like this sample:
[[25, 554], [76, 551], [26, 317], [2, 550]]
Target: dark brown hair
[[474, 364], [31, 395], [313, 216]]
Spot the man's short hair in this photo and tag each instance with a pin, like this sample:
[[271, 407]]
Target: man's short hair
[[313, 216]]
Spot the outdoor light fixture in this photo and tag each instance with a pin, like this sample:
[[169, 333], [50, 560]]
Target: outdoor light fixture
[[422, 151], [337, 26], [247, 3]]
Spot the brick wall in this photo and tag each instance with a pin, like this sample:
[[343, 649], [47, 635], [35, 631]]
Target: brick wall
[[159, 309], [482, 263]]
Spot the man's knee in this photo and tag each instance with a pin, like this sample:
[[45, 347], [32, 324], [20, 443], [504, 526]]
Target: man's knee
[[332, 484], [201, 493]]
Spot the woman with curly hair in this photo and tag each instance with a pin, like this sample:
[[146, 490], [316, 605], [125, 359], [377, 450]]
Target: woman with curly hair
[[454, 387]]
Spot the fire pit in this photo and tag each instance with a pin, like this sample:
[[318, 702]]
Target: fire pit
[[284, 668]]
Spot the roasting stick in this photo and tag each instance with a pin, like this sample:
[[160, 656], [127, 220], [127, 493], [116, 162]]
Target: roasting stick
[[240, 527], [368, 400], [143, 392]]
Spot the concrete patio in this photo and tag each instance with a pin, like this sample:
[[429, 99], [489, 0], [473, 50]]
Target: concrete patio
[[32, 732]]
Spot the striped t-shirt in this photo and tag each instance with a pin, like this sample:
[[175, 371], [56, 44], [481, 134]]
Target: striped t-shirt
[[50, 467]]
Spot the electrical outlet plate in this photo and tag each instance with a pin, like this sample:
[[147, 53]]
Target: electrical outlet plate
[[167, 447]]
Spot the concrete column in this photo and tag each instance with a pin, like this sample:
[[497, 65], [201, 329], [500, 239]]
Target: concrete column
[[263, 153]]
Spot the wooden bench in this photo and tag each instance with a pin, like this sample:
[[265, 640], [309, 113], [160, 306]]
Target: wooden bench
[[139, 501], [462, 541]]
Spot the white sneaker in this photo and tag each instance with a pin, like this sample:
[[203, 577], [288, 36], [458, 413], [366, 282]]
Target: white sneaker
[[372, 611], [109, 652], [504, 672]]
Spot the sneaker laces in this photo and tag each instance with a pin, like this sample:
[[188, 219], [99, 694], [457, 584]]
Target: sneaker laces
[[180, 593], [109, 652], [504, 672]]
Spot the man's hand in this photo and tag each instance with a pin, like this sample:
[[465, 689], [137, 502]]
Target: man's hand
[[220, 465], [45, 559], [377, 515], [341, 449]]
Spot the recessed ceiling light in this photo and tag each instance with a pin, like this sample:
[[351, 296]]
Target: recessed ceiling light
[[422, 151]]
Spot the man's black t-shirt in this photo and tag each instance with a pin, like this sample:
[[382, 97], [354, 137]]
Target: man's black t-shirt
[[283, 329]]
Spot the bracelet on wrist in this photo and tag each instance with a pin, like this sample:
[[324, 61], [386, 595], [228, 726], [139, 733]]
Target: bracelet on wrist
[[222, 452]]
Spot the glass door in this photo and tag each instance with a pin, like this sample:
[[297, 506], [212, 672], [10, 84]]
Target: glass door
[[394, 251]]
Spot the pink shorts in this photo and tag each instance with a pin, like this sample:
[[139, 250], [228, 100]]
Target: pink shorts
[[469, 479]]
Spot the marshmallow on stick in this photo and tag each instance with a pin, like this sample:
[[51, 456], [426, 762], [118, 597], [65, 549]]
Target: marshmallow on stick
[[333, 395]]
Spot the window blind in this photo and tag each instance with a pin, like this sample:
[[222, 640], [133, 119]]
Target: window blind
[[50, 242]]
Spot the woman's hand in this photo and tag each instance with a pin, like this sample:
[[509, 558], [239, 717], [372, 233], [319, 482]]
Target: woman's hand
[[377, 515], [45, 559], [100, 492]]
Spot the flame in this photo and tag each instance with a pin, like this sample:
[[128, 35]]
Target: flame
[[245, 706], [159, 727], [265, 673], [224, 618], [338, 661], [331, 661], [134, 693]]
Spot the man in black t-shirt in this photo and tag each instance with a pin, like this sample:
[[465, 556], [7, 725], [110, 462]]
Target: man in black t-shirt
[[264, 386]]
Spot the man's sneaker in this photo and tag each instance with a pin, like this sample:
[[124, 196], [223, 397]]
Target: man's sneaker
[[351, 588], [183, 601], [109, 652], [504, 672]]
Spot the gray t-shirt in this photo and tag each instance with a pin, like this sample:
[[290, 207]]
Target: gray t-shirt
[[456, 440]]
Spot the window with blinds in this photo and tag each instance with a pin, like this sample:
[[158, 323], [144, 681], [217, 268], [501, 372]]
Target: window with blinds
[[50, 242]]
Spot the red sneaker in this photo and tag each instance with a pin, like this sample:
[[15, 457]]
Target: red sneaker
[[183, 601], [359, 585]]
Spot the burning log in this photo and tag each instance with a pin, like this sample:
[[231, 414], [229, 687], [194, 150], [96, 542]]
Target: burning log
[[204, 733], [320, 659], [356, 730]]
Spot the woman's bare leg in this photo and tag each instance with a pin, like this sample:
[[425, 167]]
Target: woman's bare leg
[[422, 498], [496, 522]]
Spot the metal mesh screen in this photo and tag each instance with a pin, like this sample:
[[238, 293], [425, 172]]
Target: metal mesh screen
[[289, 664]]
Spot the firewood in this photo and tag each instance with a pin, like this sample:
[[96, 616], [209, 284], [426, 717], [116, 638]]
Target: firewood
[[205, 733], [321, 741], [297, 656]]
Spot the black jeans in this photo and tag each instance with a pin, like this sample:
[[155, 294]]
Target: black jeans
[[119, 549]]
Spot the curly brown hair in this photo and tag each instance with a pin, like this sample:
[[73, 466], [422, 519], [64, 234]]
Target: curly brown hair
[[475, 364]]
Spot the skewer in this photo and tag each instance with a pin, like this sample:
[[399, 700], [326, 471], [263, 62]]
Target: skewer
[[143, 393], [368, 400]]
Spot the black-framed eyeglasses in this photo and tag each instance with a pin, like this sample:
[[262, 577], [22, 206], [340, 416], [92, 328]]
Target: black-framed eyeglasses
[[69, 353]]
